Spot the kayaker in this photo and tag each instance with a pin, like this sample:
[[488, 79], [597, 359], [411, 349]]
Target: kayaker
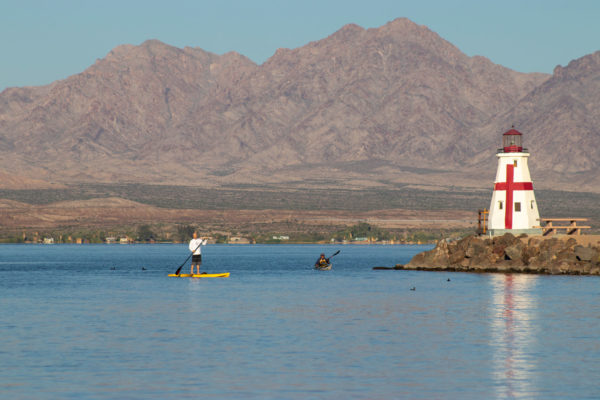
[[195, 248], [322, 261]]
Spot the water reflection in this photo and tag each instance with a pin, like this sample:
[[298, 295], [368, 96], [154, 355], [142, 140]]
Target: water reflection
[[513, 334]]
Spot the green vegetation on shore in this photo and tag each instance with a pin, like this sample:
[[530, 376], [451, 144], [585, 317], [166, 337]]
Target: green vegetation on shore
[[173, 233]]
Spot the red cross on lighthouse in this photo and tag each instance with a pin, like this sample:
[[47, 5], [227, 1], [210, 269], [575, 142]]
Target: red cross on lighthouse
[[513, 207], [510, 186]]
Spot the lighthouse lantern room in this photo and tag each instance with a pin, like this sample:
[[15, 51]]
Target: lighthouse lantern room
[[513, 208]]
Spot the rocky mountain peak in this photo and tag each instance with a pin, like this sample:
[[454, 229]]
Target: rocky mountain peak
[[588, 65], [348, 32], [405, 29]]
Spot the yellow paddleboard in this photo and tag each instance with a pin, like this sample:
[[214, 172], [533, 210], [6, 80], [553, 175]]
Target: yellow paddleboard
[[221, 275]]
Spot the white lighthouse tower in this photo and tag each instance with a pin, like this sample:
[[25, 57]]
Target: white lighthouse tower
[[513, 208]]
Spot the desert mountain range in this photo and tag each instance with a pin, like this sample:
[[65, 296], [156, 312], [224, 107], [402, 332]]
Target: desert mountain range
[[361, 108]]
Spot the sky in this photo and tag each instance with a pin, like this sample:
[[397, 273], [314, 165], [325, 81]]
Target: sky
[[43, 41]]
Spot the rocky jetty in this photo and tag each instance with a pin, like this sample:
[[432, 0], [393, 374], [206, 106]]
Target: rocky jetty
[[508, 253]]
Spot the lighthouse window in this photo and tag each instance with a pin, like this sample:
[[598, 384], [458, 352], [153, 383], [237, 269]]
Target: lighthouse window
[[517, 206], [515, 163], [532, 204], [499, 205]]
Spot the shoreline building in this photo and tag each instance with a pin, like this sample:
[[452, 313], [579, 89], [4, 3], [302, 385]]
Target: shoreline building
[[513, 208]]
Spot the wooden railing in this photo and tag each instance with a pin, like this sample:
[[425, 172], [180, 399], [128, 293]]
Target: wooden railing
[[482, 221], [571, 229]]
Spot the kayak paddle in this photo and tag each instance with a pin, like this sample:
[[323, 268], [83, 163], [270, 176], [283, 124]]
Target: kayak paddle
[[334, 254]]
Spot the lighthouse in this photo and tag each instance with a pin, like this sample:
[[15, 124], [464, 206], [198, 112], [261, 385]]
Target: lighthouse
[[513, 208]]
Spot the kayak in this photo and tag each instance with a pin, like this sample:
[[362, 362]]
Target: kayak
[[221, 275], [324, 268]]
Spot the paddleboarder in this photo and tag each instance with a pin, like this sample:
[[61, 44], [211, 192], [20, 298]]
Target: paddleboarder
[[195, 247]]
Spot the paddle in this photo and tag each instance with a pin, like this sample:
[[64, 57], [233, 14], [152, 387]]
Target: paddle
[[186, 260], [334, 254]]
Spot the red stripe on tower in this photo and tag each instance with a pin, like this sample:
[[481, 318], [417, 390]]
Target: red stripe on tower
[[510, 186]]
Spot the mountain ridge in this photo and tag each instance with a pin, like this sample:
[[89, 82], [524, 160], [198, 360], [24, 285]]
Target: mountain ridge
[[394, 99]]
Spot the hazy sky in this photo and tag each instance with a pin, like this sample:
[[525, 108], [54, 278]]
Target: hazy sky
[[42, 41]]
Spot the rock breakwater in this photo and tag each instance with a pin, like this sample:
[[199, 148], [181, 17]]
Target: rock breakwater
[[508, 253]]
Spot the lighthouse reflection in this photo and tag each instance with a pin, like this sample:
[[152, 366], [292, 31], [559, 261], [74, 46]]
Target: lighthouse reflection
[[513, 336]]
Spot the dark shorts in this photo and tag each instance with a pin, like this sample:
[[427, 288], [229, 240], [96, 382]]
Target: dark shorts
[[197, 259]]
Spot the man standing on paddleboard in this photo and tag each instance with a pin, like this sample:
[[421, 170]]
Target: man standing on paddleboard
[[195, 245]]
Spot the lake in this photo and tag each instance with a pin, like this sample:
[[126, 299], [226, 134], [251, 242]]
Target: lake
[[86, 321]]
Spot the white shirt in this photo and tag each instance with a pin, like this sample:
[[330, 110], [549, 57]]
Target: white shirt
[[196, 245]]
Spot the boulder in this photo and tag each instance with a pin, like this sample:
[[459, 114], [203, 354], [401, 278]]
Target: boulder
[[504, 266], [560, 267], [417, 261], [538, 266], [544, 256], [519, 267], [464, 243], [570, 243], [552, 245], [514, 252], [566, 255], [436, 257], [456, 256], [485, 262], [493, 258], [463, 249], [475, 249], [530, 251], [505, 240], [440, 253], [554, 268], [585, 253], [498, 250], [586, 268]]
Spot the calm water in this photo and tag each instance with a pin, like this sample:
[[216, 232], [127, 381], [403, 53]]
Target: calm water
[[71, 327]]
